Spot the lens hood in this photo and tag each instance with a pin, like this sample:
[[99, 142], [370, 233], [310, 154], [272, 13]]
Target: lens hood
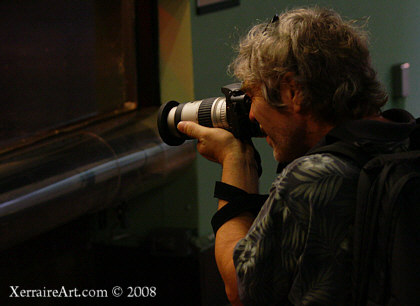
[[163, 127]]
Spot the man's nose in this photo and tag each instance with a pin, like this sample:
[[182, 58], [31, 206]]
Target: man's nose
[[251, 115]]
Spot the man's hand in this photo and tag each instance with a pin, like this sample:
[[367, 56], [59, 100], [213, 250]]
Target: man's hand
[[217, 145]]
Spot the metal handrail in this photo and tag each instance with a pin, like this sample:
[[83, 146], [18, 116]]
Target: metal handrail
[[55, 181]]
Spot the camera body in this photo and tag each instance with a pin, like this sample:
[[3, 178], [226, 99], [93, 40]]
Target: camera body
[[230, 112]]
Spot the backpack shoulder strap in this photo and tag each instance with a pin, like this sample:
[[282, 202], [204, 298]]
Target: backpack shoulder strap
[[346, 150]]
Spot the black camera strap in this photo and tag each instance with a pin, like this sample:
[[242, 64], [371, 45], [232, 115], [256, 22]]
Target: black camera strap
[[239, 202], [257, 157]]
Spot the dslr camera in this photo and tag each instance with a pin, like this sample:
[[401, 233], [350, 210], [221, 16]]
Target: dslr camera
[[230, 112]]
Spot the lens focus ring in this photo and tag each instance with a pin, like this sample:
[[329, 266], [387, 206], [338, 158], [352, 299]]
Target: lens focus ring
[[204, 113]]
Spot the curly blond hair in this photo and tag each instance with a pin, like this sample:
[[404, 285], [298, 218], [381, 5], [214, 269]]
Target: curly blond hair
[[329, 58]]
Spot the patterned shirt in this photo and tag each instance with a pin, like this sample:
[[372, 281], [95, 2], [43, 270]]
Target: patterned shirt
[[298, 249]]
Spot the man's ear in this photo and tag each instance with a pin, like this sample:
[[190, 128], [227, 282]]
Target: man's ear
[[297, 101], [295, 93]]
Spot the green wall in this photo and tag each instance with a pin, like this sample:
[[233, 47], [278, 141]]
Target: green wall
[[395, 38]]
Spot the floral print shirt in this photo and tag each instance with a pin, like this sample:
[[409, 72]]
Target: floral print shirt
[[298, 247]]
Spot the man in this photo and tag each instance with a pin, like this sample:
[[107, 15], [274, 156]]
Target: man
[[310, 79]]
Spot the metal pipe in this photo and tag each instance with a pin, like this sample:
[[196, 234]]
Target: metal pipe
[[57, 180]]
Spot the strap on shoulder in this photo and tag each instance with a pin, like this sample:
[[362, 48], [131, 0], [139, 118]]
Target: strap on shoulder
[[344, 149]]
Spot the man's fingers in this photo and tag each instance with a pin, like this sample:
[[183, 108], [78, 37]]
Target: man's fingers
[[191, 129]]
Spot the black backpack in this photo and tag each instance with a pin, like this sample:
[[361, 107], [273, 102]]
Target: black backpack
[[386, 242]]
